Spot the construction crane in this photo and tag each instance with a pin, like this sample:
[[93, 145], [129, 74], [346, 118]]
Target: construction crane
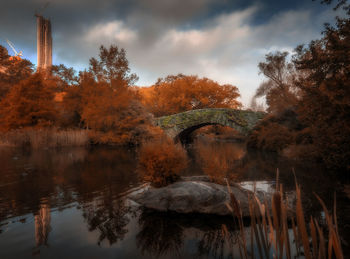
[[17, 54]]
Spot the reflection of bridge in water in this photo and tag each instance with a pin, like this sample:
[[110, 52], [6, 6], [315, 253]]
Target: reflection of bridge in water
[[180, 126]]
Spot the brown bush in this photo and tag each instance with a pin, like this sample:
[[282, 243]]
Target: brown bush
[[271, 136], [161, 161], [301, 152]]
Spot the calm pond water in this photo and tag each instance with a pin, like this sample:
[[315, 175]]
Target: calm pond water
[[70, 203]]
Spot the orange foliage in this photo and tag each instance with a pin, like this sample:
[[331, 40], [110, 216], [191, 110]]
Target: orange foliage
[[113, 116], [12, 70], [161, 161], [59, 97], [180, 93], [28, 104], [104, 102]]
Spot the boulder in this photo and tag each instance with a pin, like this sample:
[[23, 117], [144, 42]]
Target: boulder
[[194, 196]]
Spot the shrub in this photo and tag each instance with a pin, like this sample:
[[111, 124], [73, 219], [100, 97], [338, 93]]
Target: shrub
[[271, 135], [275, 138], [161, 161]]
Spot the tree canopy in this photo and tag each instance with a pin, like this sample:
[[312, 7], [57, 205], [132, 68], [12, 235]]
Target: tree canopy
[[325, 88], [28, 104], [175, 94], [112, 67], [278, 89], [12, 70]]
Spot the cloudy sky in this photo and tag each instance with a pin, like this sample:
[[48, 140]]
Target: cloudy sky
[[220, 39]]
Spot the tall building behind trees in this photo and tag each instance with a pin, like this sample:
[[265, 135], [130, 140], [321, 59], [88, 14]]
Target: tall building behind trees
[[44, 42]]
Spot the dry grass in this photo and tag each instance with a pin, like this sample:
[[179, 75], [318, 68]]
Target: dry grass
[[270, 236], [44, 138]]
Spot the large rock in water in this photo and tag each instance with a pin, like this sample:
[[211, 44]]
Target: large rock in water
[[193, 197]]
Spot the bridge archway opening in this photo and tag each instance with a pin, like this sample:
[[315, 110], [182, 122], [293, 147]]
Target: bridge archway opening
[[187, 135]]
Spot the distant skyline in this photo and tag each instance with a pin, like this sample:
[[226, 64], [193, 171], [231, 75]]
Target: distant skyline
[[220, 39]]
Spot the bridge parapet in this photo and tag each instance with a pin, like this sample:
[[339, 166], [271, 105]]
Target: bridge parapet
[[241, 120]]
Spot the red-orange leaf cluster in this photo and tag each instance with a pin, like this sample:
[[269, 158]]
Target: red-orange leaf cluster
[[181, 93]]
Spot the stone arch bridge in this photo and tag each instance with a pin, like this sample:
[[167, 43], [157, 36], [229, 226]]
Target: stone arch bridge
[[179, 126]]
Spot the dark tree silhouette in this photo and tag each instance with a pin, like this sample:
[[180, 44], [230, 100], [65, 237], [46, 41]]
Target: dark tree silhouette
[[325, 104], [279, 90]]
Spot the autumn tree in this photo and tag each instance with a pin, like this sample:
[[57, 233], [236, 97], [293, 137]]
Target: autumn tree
[[278, 89], [104, 103], [28, 104], [112, 67], [64, 76], [325, 103], [180, 93], [12, 70]]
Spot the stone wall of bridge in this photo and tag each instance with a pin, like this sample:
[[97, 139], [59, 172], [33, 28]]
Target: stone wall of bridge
[[184, 123]]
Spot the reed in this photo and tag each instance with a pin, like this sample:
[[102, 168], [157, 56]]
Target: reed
[[270, 235], [44, 138]]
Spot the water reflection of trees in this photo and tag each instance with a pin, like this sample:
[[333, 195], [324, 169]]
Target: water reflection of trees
[[60, 177], [214, 242], [57, 178], [109, 218], [164, 233], [160, 234]]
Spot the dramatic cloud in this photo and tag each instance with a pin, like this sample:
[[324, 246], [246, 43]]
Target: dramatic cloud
[[226, 49], [222, 40]]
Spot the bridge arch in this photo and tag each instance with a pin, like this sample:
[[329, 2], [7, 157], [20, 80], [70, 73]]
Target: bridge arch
[[180, 125]]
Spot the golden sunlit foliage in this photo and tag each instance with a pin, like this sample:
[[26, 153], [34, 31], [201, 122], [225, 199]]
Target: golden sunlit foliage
[[180, 93], [30, 103], [100, 101], [109, 106], [161, 161], [113, 116]]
